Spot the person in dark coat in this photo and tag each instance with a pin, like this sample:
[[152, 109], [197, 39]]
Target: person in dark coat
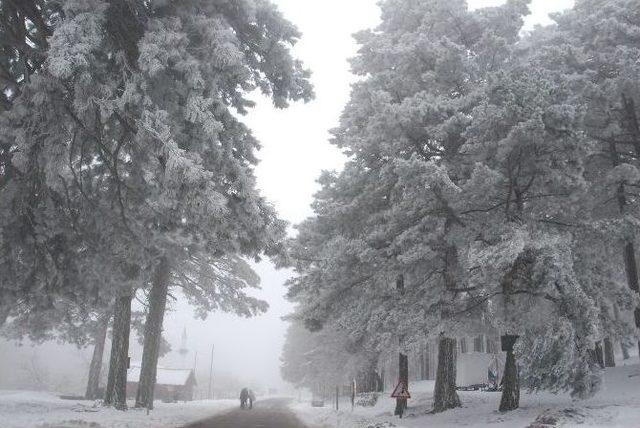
[[244, 396]]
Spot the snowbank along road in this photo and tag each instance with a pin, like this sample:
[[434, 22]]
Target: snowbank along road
[[272, 413]]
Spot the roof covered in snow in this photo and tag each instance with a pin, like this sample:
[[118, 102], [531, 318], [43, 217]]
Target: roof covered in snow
[[164, 376]]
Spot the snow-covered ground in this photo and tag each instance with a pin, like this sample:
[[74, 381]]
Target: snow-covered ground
[[617, 405], [26, 409]]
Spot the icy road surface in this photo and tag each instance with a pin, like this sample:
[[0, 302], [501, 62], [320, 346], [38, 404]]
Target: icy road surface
[[270, 413]]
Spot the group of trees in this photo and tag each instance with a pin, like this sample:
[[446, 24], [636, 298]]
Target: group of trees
[[491, 188], [125, 169]]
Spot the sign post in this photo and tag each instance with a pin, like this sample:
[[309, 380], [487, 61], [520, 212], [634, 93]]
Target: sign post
[[401, 394]]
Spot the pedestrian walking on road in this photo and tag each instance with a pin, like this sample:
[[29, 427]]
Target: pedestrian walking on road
[[244, 396]]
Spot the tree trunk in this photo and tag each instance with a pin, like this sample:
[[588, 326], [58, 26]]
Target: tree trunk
[[93, 383], [510, 384], [116, 392], [445, 395], [116, 337], [599, 355], [609, 358], [153, 334], [427, 362]]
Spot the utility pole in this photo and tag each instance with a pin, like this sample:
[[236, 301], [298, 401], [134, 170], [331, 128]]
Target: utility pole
[[211, 375], [354, 388]]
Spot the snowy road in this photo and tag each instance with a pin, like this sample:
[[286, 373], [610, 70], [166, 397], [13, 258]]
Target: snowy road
[[272, 413]]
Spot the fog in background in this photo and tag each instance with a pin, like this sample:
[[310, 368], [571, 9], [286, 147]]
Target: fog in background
[[295, 151]]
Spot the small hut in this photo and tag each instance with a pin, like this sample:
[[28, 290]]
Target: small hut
[[171, 384]]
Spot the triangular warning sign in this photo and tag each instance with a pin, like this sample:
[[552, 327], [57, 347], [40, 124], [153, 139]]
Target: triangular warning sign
[[400, 391]]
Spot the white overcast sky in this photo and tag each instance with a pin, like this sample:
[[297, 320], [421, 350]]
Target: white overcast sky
[[295, 151]]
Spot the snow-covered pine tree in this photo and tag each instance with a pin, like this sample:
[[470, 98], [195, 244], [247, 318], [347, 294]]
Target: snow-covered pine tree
[[392, 211], [61, 242], [554, 355], [24, 29], [221, 52], [533, 153], [342, 285], [131, 121], [221, 283], [429, 59], [592, 45]]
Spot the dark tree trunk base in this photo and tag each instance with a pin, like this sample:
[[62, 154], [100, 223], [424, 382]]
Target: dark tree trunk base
[[113, 362], [510, 385], [116, 393], [401, 406], [153, 335], [93, 383], [445, 394], [599, 355], [609, 357]]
